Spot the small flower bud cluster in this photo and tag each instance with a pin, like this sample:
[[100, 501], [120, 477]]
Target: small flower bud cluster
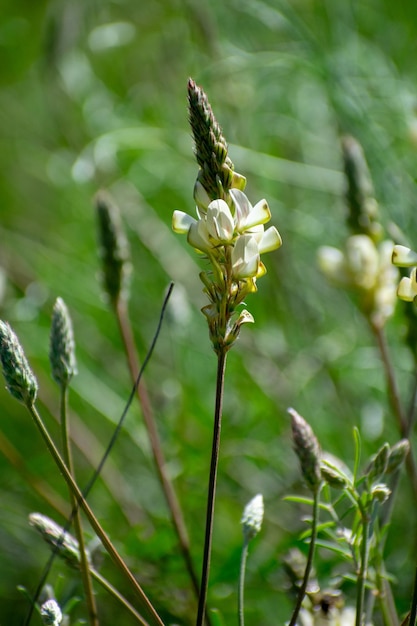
[[228, 230], [20, 381], [405, 257], [62, 345], [252, 517], [307, 449], [51, 613]]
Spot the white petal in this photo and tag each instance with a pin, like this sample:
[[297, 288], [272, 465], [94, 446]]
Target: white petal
[[242, 206], [405, 290], [201, 197], [404, 257], [245, 257], [259, 214], [270, 241], [198, 236], [181, 222], [220, 223]]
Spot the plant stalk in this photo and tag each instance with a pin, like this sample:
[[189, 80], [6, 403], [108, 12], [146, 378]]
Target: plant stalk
[[211, 497], [241, 589], [360, 588], [115, 593], [84, 564], [145, 605], [174, 507], [309, 564]]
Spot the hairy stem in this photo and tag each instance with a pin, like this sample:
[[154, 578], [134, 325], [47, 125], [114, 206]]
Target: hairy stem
[[145, 605], [177, 517], [309, 564], [211, 497], [84, 565]]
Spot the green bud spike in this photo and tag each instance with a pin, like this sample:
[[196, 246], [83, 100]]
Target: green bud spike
[[62, 345], [307, 449], [113, 249], [216, 169], [363, 208], [20, 381]]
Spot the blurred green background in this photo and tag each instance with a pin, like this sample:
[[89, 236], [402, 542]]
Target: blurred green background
[[93, 95]]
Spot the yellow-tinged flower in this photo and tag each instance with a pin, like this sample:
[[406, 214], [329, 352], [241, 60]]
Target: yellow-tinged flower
[[405, 257], [365, 267]]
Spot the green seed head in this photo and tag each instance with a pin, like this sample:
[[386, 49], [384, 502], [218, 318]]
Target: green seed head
[[20, 381], [307, 449], [62, 345]]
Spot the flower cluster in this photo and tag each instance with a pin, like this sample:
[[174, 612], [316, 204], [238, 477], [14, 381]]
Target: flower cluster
[[228, 230], [404, 257], [366, 268]]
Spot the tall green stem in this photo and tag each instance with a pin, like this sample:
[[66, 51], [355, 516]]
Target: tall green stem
[[221, 368], [84, 565], [241, 589], [177, 517], [152, 618], [303, 588]]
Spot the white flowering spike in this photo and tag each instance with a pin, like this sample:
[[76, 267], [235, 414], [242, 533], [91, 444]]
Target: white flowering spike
[[245, 257], [404, 257], [51, 613], [362, 261], [252, 517]]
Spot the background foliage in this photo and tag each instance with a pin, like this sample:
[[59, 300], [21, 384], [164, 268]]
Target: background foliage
[[93, 94]]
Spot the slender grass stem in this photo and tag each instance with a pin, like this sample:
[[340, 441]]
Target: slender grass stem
[[309, 564], [241, 589], [116, 594], [174, 506], [152, 618], [84, 564], [211, 497]]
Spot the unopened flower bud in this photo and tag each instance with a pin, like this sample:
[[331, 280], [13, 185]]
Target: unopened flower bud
[[307, 449], [380, 492], [252, 517], [332, 476], [379, 463], [20, 381], [62, 345], [61, 541], [397, 455]]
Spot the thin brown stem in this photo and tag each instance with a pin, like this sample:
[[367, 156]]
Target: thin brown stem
[[174, 506], [394, 398], [152, 618], [211, 497], [84, 564]]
